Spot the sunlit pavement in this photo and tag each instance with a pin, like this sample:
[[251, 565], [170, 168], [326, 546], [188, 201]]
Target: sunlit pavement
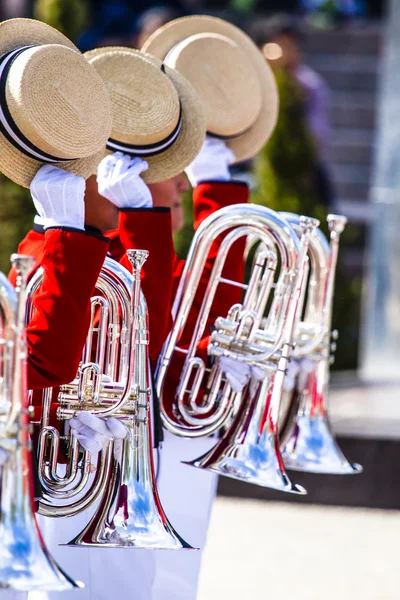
[[273, 550]]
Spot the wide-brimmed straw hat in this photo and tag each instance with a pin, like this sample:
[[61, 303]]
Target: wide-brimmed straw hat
[[235, 84], [54, 107], [158, 116]]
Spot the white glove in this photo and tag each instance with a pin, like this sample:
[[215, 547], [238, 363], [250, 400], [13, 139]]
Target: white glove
[[58, 197], [94, 433], [118, 179], [3, 456], [211, 163], [299, 369], [306, 367], [290, 376], [238, 373], [119, 433]]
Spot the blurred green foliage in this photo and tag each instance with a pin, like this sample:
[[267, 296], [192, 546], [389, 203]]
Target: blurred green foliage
[[16, 215], [16, 207], [68, 16], [286, 181], [183, 238], [286, 167]]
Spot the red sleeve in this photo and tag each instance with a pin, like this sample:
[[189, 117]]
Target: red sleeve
[[56, 334], [208, 198], [150, 229], [211, 196], [31, 245]]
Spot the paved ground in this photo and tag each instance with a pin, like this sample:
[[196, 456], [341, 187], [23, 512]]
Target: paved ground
[[277, 551], [366, 410]]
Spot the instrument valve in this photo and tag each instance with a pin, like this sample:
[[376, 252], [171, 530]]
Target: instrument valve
[[143, 420], [146, 405], [146, 391]]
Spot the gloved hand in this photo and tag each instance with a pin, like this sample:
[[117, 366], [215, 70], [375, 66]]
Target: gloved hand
[[299, 369], [94, 433], [292, 371], [118, 180], [238, 373], [306, 367], [211, 163], [58, 197], [3, 456], [119, 433]]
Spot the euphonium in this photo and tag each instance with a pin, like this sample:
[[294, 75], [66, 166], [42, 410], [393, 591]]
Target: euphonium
[[114, 380], [25, 564], [308, 443], [204, 400]]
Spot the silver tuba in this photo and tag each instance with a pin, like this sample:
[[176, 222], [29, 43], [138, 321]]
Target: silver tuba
[[25, 564], [204, 401], [308, 443], [113, 380]]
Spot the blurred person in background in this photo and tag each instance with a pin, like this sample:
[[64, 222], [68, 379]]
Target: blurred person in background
[[280, 40], [152, 19], [124, 23]]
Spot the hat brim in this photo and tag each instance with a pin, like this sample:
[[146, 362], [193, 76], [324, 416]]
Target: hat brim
[[18, 167], [173, 161], [164, 39]]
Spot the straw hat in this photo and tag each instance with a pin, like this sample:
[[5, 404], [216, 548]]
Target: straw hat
[[157, 114], [54, 108], [235, 84]]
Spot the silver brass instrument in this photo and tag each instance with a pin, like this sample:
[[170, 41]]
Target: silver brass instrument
[[114, 380], [25, 563], [249, 450], [308, 444]]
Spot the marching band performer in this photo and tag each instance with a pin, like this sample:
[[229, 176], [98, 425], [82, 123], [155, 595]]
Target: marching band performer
[[54, 111], [186, 492], [240, 101], [31, 51]]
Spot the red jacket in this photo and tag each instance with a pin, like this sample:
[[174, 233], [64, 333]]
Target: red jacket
[[150, 229], [56, 334]]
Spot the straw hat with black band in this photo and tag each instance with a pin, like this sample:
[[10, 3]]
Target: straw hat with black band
[[158, 116], [54, 107], [230, 74]]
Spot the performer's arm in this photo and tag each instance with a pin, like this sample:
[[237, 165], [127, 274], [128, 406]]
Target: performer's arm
[[213, 190], [151, 230], [141, 227], [207, 198], [56, 333], [71, 257], [31, 245]]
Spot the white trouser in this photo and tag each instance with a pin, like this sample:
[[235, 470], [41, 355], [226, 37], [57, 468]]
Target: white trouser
[[105, 572], [186, 494]]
